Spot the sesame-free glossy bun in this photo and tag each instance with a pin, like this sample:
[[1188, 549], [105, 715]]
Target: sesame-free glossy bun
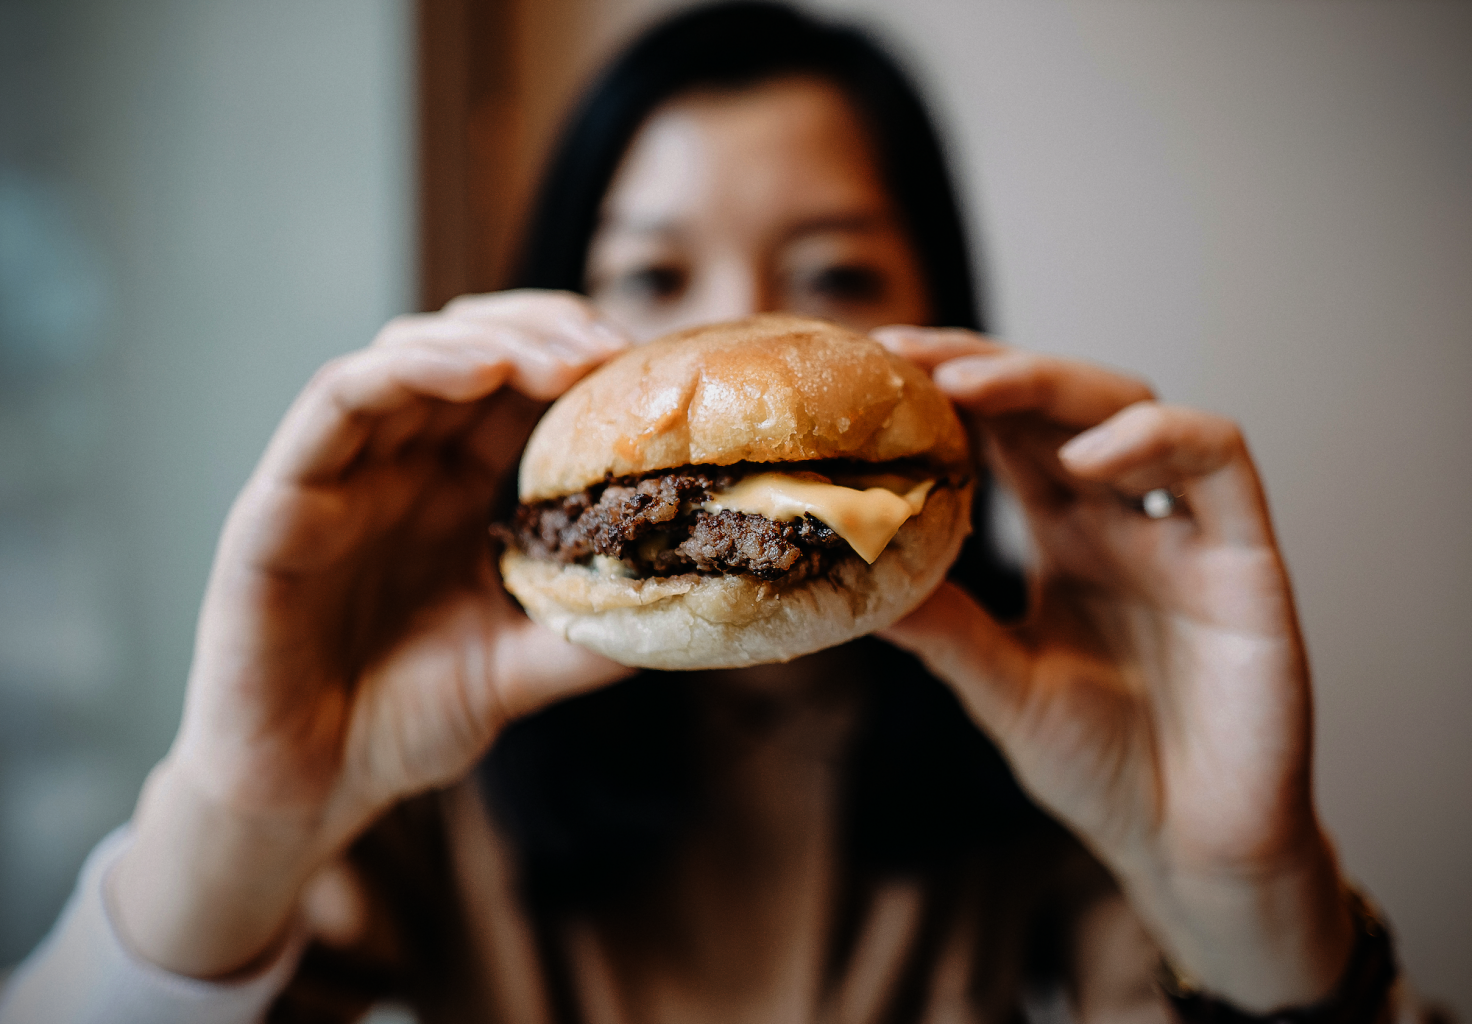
[[770, 388], [693, 621]]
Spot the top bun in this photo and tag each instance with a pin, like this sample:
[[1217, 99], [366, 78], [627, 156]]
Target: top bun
[[770, 388]]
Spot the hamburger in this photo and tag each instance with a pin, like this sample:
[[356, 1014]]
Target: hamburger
[[736, 494]]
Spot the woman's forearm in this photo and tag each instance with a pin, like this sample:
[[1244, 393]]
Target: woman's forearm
[[1263, 938], [84, 973], [204, 890]]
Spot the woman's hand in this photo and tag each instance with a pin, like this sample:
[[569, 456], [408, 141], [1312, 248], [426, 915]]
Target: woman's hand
[[1156, 698], [355, 645]]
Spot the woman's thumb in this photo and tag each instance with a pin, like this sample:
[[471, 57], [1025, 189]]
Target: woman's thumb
[[966, 648]]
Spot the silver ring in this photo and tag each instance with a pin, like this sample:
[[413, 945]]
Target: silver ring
[[1160, 503]]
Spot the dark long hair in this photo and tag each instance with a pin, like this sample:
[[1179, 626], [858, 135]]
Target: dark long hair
[[587, 802], [727, 46], [596, 791]]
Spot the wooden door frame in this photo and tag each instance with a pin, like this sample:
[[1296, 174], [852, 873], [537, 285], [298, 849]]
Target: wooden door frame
[[467, 133]]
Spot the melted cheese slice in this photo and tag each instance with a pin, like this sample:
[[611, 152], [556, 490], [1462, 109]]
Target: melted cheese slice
[[867, 518]]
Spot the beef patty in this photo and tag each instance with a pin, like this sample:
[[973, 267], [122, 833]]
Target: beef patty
[[654, 525]]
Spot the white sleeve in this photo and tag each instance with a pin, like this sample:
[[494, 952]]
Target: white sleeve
[[81, 973]]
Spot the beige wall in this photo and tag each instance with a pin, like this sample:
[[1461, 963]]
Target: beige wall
[[1266, 208]]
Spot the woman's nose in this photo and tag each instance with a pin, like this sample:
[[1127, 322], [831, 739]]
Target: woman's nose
[[735, 290]]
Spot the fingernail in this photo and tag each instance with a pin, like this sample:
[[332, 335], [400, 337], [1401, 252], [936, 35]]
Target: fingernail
[[1088, 445], [608, 335], [958, 373]]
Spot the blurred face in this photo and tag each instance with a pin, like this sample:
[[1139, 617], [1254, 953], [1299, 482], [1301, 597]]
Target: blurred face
[[759, 199]]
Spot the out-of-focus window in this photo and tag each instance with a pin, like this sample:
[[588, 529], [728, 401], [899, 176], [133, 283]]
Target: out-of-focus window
[[200, 201], [62, 646]]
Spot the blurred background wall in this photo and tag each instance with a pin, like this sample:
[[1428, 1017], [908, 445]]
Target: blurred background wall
[[1265, 207], [199, 202]]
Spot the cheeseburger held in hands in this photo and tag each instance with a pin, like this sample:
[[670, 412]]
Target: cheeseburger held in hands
[[738, 494]]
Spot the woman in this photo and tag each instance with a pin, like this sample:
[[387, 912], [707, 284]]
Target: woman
[[832, 839]]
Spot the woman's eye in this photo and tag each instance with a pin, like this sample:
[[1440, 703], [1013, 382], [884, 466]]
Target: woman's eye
[[848, 283], [652, 284]]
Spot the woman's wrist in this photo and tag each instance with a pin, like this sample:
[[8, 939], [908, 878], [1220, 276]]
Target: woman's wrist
[[1364, 993], [1266, 937], [205, 890]]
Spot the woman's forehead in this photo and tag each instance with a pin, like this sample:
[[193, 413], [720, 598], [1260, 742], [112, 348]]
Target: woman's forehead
[[790, 148]]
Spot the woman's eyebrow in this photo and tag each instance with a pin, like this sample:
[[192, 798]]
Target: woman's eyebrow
[[641, 226], [858, 222]]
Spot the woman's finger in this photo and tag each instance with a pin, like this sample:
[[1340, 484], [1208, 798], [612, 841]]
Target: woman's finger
[[442, 422], [556, 317], [1065, 391], [533, 356], [419, 328], [534, 667], [1023, 452], [530, 666], [539, 357], [396, 432], [964, 646], [1200, 456], [546, 330], [928, 347], [498, 434], [539, 360], [332, 419]]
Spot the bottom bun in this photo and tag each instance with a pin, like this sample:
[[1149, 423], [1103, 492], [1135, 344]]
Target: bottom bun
[[699, 622]]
